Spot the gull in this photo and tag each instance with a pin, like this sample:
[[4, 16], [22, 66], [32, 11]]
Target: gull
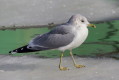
[[63, 37]]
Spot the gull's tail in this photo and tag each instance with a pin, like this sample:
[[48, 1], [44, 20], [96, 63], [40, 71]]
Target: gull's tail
[[23, 49]]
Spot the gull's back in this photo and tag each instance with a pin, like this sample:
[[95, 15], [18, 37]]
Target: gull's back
[[57, 37]]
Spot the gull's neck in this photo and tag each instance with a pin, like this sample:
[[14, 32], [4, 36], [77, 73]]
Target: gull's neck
[[83, 29]]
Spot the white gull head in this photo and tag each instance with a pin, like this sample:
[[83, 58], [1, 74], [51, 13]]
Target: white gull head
[[79, 20]]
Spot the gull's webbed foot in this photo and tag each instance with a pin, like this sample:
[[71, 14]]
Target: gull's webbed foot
[[63, 68], [79, 66]]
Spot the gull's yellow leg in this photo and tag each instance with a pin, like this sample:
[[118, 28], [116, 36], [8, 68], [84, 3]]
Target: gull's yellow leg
[[60, 67], [76, 65]]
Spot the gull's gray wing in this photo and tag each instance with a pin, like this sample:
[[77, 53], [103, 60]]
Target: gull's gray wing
[[58, 37]]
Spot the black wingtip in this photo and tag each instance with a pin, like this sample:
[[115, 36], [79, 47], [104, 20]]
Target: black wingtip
[[23, 49], [13, 52]]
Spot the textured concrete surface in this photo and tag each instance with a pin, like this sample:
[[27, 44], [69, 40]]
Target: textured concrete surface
[[33, 12], [36, 68]]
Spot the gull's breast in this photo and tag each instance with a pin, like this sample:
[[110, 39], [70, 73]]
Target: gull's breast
[[80, 37]]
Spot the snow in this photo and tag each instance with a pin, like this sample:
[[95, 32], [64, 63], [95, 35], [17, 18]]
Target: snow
[[36, 68]]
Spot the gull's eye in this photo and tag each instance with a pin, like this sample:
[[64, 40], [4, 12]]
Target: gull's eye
[[82, 20]]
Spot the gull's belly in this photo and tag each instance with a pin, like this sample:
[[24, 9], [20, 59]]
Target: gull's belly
[[80, 37]]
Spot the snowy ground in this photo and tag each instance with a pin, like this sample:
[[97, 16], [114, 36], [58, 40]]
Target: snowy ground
[[36, 68]]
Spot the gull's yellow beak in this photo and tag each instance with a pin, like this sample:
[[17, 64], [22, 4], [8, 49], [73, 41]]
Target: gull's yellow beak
[[92, 25]]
